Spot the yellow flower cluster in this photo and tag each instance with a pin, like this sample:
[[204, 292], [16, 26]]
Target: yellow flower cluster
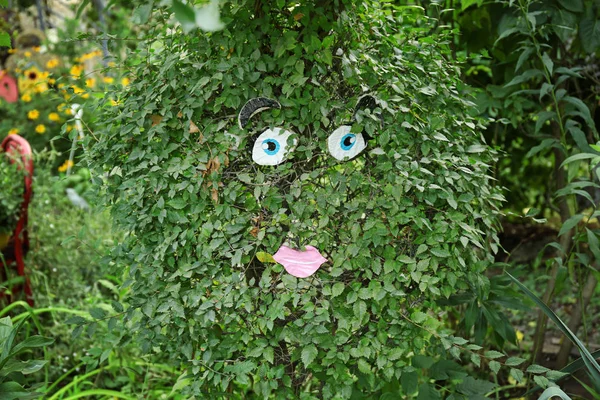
[[88, 56], [76, 70], [33, 81], [33, 114], [66, 165], [13, 131], [40, 129], [54, 117], [52, 63]]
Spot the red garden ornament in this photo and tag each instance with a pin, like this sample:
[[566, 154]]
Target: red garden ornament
[[8, 88], [18, 147]]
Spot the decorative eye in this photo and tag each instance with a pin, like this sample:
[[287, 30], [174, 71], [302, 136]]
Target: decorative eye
[[344, 145], [271, 147]]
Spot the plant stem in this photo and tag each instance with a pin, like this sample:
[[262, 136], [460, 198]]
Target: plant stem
[[567, 345]]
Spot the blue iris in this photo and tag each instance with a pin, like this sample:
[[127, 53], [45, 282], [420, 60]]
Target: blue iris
[[271, 146], [348, 141]]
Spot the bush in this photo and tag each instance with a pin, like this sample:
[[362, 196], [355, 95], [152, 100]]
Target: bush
[[11, 194], [401, 227]]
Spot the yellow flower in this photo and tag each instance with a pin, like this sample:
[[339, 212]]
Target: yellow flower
[[90, 82], [40, 129], [69, 127], [52, 63], [125, 81], [76, 70], [108, 79], [37, 49], [520, 335], [13, 131], [66, 165], [51, 81], [33, 114], [54, 117], [12, 51], [26, 97], [27, 54], [33, 80]]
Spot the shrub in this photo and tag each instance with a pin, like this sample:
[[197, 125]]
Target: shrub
[[406, 222], [11, 194]]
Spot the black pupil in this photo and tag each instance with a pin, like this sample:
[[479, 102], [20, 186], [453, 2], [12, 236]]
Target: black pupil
[[348, 141], [271, 146]]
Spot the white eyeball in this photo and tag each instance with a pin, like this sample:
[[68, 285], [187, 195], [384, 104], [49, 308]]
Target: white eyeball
[[344, 145], [271, 147]]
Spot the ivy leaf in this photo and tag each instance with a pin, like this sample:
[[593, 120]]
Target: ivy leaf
[[309, 353]]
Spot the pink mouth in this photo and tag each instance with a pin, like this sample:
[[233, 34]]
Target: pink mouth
[[300, 264]]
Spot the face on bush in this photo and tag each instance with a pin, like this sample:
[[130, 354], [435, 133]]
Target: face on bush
[[342, 151]]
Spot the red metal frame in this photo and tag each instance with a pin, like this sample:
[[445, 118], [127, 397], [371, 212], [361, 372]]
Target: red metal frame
[[16, 145]]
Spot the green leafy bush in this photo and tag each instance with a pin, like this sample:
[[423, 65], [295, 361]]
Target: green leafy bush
[[401, 227], [11, 194], [13, 370]]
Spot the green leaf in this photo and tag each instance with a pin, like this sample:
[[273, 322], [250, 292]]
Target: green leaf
[[589, 34], [428, 392], [525, 76], [185, 15], [309, 353], [570, 224], [493, 354], [178, 203], [494, 367], [76, 320], [514, 361], [525, 55], [548, 63], [578, 157], [517, 374], [97, 313], [363, 366], [264, 257], [118, 307], [12, 390], [5, 39], [585, 354], [506, 33], [572, 5], [83, 4], [409, 382], [537, 369], [337, 289]]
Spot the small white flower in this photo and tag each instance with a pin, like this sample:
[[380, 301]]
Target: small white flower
[[51, 226], [54, 269]]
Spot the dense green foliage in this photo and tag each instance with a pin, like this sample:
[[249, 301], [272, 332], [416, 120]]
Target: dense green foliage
[[401, 229], [11, 195]]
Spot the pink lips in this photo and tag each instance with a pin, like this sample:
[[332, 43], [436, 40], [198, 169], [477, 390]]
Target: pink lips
[[300, 264]]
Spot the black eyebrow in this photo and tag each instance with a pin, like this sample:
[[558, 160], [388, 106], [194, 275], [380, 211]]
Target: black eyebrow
[[253, 107]]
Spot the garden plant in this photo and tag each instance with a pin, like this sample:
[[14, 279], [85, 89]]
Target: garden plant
[[365, 158]]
